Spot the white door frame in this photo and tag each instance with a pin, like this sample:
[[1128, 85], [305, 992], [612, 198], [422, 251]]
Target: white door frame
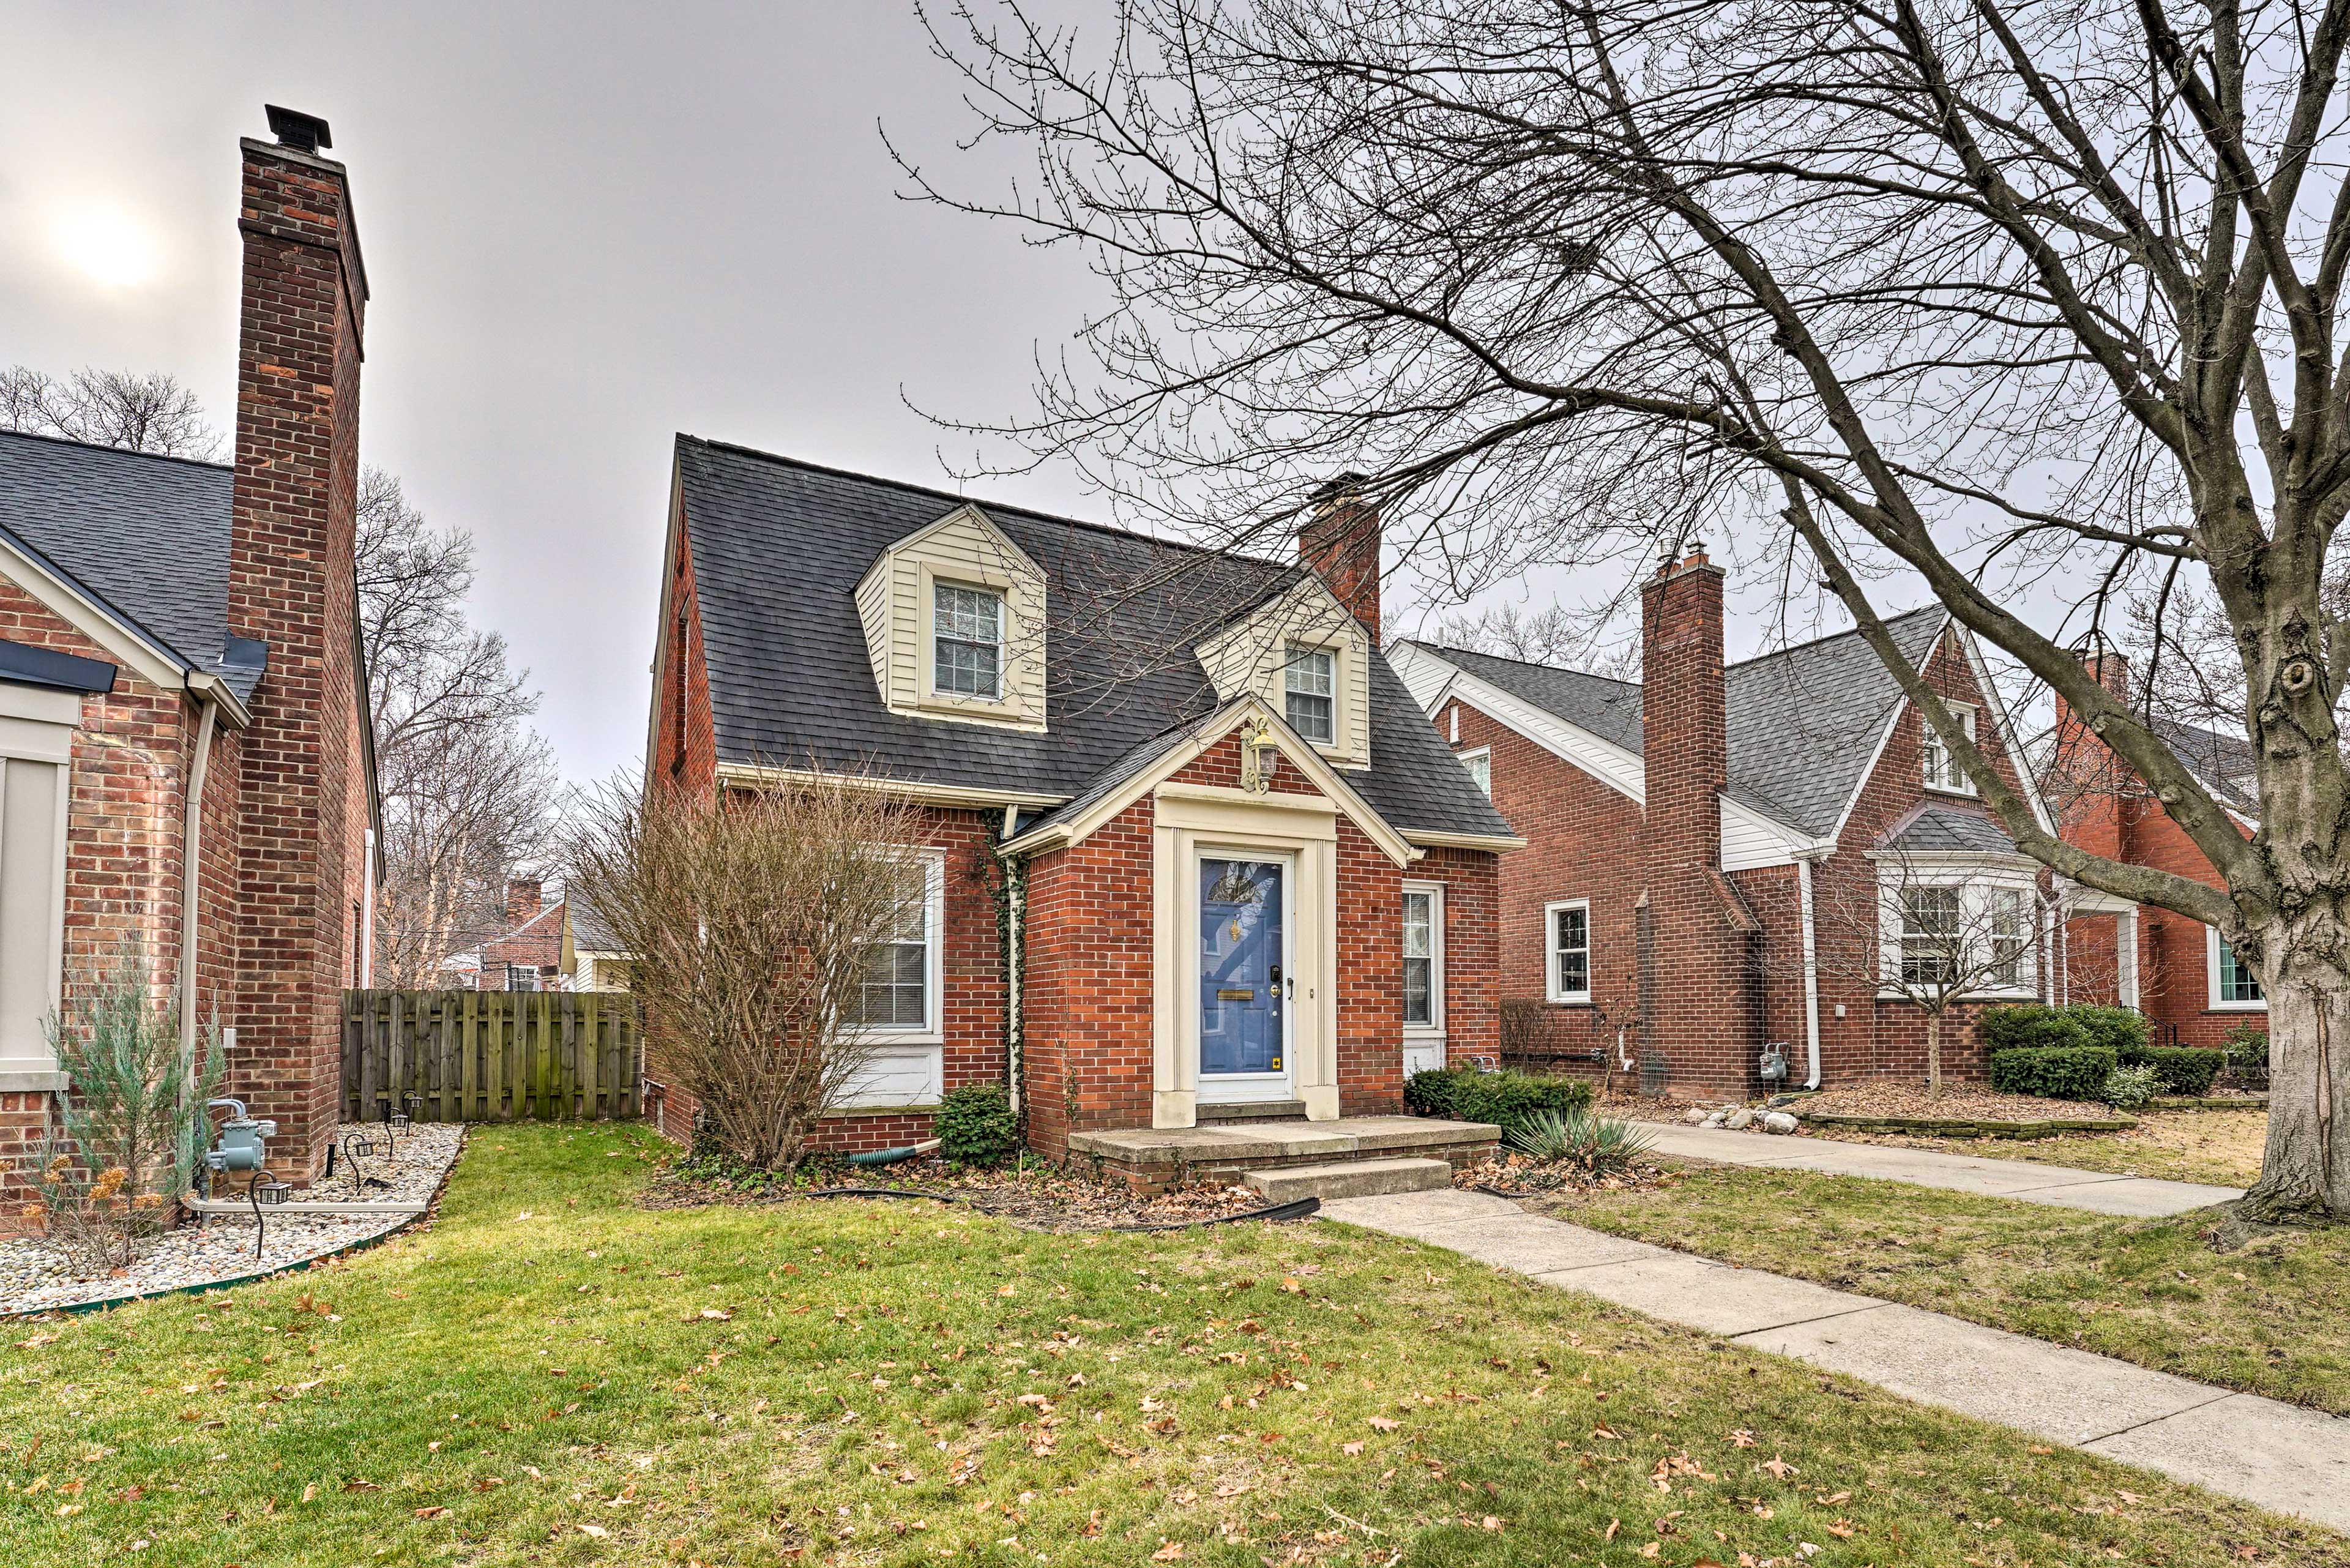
[[1243, 1088]]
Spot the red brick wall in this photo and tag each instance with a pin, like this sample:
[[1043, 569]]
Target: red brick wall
[[302, 795], [1472, 904], [1583, 841], [686, 749]]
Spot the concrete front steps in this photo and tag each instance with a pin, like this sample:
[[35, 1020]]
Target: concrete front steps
[[1157, 1159], [1351, 1179]]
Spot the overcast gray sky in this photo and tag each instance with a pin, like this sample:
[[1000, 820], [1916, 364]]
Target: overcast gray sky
[[587, 226]]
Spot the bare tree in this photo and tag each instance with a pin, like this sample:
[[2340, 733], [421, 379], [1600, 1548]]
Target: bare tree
[[764, 927], [1554, 636], [1931, 933], [2034, 303], [150, 413], [469, 789]]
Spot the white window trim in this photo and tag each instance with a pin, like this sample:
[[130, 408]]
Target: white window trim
[[2211, 979], [1551, 990], [1484, 752], [37, 725], [1973, 887], [1291, 649], [1434, 1028], [932, 582], [1967, 714], [931, 1031]]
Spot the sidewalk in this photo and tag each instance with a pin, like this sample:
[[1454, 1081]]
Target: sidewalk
[[2278, 1456], [2135, 1196]]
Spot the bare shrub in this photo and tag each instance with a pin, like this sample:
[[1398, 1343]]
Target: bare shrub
[[760, 926]]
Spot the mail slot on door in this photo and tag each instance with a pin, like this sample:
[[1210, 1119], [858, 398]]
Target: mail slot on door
[[1232, 993]]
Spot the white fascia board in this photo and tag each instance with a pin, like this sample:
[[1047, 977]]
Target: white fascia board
[[99, 622], [1610, 763], [1423, 670]]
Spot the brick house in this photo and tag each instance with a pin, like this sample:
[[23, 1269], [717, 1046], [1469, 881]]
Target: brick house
[[528, 955], [1241, 877], [183, 726], [1713, 849], [2172, 967]]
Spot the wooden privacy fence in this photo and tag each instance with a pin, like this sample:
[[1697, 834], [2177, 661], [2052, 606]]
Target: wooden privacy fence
[[491, 1055]]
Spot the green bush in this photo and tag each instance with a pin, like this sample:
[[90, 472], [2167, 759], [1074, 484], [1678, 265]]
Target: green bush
[[1505, 1099], [2185, 1069], [2122, 1029], [2033, 1026], [2054, 1073], [2130, 1086], [2246, 1046], [976, 1127]]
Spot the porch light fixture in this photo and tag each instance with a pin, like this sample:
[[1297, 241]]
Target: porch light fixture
[[1259, 756]]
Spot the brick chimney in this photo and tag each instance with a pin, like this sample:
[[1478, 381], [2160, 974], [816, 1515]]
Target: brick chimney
[[2086, 782], [1698, 1000], [524, 900], [1684, 725], [1340, 541], [303, 789]]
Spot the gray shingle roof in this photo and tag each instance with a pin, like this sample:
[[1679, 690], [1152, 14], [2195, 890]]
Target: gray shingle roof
[[778, 548], [146, 536], [1933, 829], [2226, 763], [1802, 721]]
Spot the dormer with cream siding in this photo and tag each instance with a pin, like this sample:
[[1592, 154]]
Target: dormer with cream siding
[[954, 625], [1298, 631]]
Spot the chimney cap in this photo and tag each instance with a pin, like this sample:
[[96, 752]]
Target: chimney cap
[[302, 132], [1338, 486]]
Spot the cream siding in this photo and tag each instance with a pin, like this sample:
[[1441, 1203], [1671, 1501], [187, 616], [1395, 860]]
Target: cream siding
[[895, 601], [1250, 657]]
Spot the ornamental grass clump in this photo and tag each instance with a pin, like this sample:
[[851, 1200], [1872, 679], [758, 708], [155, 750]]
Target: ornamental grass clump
[[1601, 1146], [126, 1138]]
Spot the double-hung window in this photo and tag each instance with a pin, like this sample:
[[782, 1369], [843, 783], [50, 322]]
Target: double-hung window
[[522, 976], [1929, 935], [2007, 916], [1568, 946], [967, 642], [1480, 764], [1423, 957], [2234, 986], [899, 995], [1942, 769], [1309, 686]]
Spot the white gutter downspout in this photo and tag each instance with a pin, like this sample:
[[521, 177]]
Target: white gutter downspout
[[191, 880], [1811, 972], [367, 917]]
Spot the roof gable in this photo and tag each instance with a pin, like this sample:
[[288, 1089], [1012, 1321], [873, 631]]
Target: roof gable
[[778, 547]]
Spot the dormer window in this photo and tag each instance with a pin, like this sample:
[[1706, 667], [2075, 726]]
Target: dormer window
[[1309, 690], [967, 635], [1942, 769]]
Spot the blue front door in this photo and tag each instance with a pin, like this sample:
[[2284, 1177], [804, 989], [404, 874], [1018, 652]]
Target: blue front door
[[1241, 907]]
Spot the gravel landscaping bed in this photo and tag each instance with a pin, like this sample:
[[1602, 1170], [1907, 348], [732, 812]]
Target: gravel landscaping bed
[[34, 1278]]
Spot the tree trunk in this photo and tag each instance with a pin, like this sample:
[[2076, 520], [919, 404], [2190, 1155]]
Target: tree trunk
[[2306, 1169], [1933, 1052]]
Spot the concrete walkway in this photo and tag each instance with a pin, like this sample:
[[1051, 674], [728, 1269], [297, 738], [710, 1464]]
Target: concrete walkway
[[2278, 1456], [2136, 1197]]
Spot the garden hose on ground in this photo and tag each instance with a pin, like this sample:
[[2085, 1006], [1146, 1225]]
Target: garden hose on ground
[[1300, 1208]]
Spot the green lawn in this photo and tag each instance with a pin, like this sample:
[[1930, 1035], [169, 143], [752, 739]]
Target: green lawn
[[552, 1375], [2267, 1318]]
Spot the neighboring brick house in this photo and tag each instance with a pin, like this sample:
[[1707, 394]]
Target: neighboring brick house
[[1242, 875], [526, 956], [2178, 972], [1711, 851], [187, 752]]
